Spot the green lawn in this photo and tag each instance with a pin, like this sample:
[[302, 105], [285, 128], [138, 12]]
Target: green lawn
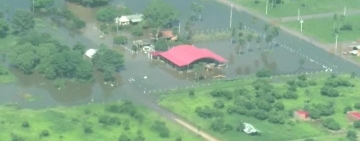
[[68, 124], [185, 105], [322, 29], [289, 8]]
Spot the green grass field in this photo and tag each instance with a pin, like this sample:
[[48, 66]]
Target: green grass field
[[322, 29], [185, 105], [289, 7], [68, 124]]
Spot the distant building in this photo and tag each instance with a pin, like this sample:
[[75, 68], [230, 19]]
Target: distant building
[[301, 115], [168, 34], [353, 116], [90, 52], [129, 19]]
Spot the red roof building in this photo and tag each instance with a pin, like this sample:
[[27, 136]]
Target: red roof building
[[301, 115], [184, 55], [353, 116]]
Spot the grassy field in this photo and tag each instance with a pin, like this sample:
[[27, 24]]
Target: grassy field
[[322, 29], [69, 124], [184, 104], [289, 7]]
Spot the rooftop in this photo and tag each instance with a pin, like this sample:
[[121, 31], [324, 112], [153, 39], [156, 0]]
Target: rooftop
[[355, 114], [302, 112], [183, 55]]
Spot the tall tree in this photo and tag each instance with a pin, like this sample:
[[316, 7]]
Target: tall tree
[[159, 14], [249, 39], [23, 21], [241, 43], [42, 3], [199, 70], [196, 10], [4, 28], [259, 39]]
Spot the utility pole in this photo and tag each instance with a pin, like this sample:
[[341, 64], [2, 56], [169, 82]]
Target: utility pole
[[345, 10], [266, 8], [336, 42], [33, 6], [298, 13], [301, 24], [231, 14]]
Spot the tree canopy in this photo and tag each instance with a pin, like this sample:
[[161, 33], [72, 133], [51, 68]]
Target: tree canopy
[[159, 14], [23, 21], [43, 3], [109, 13], [108, 62], [4, 28], [93, 3], [48, 57]]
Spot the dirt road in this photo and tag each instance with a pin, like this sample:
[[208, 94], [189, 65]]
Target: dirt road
[[195, 130]]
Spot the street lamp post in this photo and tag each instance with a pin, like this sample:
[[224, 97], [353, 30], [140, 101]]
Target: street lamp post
[[301, 25], [266, 8], [231, 14], [336, 42]]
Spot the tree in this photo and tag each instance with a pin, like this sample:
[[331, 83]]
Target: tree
[[219, 104], [353, 75], [351, 135], [92, 3], [25, 124], [79, 47], [4, 28], [269, 38], [160, 127], [44, 133], [331, 124], [107, 14], [23, 21], [191, 92], [24, 58], [196, 10], [249, 39], [301, 63], [161, 45], [266, 27], [279, 106], [329, 91], [357, 124], [159, 14], [43, 3], [137, 31], [347, 108], [258, 41], [199, 70], [120, 40], [241, 43], [357, 105], [124, 137], [107, 60], [263, 73]]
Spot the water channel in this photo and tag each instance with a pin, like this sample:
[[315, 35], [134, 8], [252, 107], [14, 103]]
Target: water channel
[[282, 60]]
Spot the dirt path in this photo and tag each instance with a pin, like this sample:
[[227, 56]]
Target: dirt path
[[292, 32], [322, 15], [195, 130]]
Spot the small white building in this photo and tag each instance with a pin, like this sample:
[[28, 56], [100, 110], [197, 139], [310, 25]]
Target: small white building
[[354, 52], [128, 19], [123, 20], [90, 52]]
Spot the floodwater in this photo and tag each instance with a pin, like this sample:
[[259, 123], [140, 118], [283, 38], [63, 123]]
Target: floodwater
[[159, 76]]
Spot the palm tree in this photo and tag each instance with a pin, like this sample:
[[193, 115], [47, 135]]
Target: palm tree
[[258, 41], [335, 18], [249, 39], [242, 42]]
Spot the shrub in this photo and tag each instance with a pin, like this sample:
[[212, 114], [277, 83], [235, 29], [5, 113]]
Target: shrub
[[219, 104], [44, 133], [124, 137], [25, 124], [329, 91], [331, 124], [263, 73], [15, 137], [120, 40], [137, 31], [88, 129], [192, 92], [357, 124], [160, 127], [357, 105]]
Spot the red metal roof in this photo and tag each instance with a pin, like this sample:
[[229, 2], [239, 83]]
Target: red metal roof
[[302, 112], [355, 114], [183, 55]]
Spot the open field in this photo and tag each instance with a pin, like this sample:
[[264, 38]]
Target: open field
[[291, 6], [185, 105], [93, 122], [322, 29]]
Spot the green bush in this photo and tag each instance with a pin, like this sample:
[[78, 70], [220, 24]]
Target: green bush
[[25, 124], [44, 133], [137, 31], [219, 104], [120, 40]]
